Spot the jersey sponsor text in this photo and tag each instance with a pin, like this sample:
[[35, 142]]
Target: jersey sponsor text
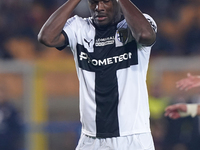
[[105, 41], [106, 61]]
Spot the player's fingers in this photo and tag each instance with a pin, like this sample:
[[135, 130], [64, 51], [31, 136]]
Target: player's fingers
[[189, 87], [169, 108], [167, 113], [174, 107], [180, 84], [183, 85], [174, 115]]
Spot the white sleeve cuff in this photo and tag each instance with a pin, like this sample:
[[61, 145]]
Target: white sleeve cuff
[[192, 110]]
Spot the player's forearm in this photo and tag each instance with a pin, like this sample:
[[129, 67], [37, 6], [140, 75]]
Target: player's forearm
[[140, 27], [51, 30], [198, 110]]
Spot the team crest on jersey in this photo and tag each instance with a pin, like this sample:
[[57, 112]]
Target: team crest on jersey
[[122, 35]]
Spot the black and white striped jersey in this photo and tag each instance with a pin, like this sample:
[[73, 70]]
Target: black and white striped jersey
[[111, 69]]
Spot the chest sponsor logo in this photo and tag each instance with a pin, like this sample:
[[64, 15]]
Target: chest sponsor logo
[[105, 61]]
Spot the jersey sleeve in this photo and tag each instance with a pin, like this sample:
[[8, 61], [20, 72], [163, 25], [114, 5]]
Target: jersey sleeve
[[151, 21], [70, 31], [147, 49], [66, 41]]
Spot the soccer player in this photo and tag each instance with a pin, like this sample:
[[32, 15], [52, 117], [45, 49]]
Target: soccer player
[[176, 111], [111, 50]]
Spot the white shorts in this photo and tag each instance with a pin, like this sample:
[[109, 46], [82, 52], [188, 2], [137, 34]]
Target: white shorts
[[142, 141]]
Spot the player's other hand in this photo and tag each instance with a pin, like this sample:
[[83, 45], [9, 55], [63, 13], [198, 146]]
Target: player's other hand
[[173, 111], [189, 82]]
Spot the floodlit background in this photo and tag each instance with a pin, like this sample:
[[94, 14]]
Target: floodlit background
[[41, 86]]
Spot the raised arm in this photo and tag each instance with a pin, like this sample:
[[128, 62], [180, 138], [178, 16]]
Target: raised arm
[[51, 32], [140, 27]]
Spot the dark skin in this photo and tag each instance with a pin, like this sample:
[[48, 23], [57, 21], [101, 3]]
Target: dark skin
[[104, 13]]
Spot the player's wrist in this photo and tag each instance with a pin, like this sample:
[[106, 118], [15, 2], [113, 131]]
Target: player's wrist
[[192, 110]]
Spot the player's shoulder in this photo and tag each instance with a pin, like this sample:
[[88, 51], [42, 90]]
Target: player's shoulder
[[78, 21], [122, 24], [81, 20]]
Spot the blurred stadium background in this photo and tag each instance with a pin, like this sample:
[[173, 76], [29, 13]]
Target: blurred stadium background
[[43, 86]]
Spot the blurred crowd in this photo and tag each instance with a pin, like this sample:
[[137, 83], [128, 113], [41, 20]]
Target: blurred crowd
[[169, 134], [178, 25], [20, 22]]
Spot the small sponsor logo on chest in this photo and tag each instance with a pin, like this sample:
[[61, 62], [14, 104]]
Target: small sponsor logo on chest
[[104, 41]]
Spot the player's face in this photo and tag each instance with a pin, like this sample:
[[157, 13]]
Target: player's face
[[104, 12]]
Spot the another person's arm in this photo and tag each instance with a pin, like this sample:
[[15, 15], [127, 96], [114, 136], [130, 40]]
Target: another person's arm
[[182, 110], [51, 32], [188, 83], [140, 27]]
